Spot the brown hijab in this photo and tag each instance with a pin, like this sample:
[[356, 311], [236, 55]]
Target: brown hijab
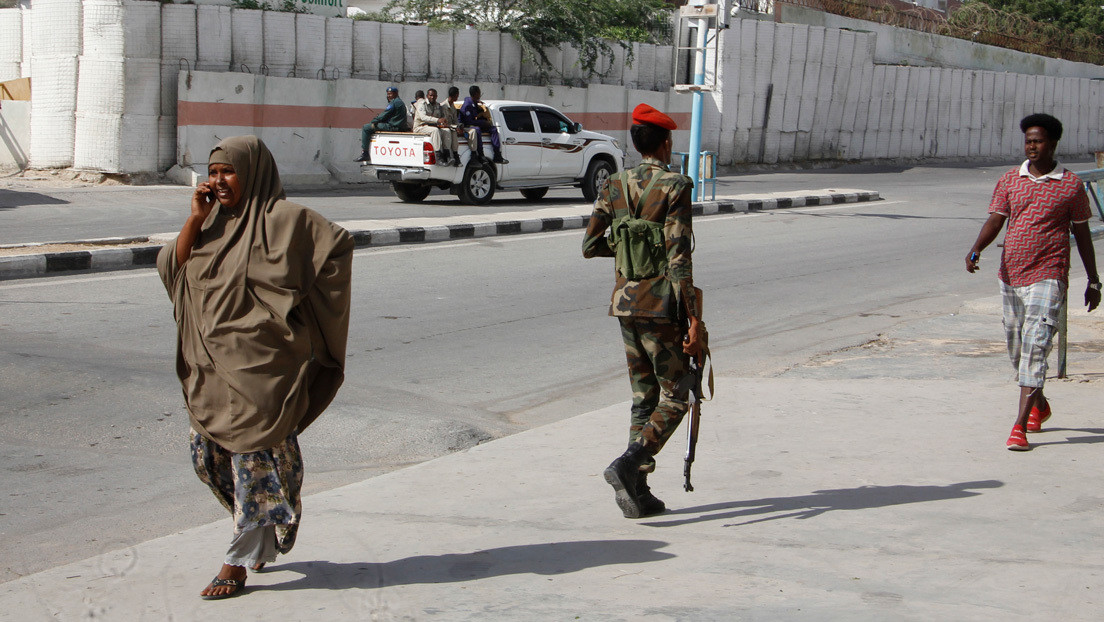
[[262, 309]]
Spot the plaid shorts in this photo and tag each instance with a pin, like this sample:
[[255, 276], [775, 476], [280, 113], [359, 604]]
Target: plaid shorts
[[1030, 323]]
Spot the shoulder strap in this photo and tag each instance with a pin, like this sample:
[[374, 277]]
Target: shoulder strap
[[624, 192], [647, 191]]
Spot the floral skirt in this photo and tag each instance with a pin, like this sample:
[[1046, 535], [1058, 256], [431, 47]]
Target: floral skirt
[[259, 488]]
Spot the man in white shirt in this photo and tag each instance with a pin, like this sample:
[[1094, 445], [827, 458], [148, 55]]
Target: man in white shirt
[[431, 118]]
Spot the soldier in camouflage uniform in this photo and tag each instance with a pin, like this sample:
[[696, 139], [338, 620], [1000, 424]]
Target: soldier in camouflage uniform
[[659, 321]]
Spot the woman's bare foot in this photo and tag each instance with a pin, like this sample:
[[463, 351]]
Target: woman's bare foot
[[236, 573]]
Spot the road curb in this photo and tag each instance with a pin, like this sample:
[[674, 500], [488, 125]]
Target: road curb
[[110, 259]]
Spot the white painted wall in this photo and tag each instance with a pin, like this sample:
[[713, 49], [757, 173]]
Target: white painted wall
[[871, 92], [127, 63], [15, 134], [831, 100], [901, 46]]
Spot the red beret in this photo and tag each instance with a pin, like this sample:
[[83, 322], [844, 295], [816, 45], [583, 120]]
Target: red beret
[[646, 114]]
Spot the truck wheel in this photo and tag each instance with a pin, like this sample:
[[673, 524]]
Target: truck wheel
[[478, 185], [410, 193], [534, 194], [597, 175]]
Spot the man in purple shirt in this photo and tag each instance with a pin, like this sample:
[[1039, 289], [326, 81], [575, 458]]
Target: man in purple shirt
[[474, 117]]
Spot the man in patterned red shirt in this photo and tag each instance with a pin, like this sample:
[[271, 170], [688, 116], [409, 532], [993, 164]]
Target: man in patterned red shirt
[[1042, 203]]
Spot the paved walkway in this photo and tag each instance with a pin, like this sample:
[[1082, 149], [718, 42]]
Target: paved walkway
[[867, 484]]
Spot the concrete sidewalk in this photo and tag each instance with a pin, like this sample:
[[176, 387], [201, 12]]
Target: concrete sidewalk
[[83, 256], [868, 484]]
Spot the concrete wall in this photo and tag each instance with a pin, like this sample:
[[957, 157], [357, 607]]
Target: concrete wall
[[317, 7], [11, 44], [794, 92], [313, 126], [15, 133], [901, 46], [107, 100]]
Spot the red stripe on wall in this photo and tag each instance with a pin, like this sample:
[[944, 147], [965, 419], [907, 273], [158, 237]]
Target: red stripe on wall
[[273, 115]]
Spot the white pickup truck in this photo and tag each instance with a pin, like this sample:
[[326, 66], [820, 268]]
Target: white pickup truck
[[542, 146]]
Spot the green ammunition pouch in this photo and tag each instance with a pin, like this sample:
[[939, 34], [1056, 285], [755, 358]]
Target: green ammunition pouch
[[640, 251]]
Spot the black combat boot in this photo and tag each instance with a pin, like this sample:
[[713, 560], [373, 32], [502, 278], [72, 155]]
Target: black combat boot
[[455, 158], [498, 159], [364, 157], [442, 158], [623, 474], [649, 504]]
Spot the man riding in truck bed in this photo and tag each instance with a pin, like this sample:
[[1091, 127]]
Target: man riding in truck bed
[[392, 119], [430, 118], [474, 115]]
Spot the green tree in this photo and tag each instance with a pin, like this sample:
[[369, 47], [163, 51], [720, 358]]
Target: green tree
[[1072, 14], [588, 25]]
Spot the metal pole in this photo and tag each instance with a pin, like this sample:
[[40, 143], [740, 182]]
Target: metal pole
[[1062, 339], [694, 152]]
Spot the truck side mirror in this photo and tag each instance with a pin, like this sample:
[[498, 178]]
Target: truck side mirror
[[578, 127]]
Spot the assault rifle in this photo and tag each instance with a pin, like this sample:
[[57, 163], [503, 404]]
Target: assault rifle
[[695, 380]]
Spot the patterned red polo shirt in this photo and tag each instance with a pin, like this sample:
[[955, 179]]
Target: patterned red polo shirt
[[1040, 212]]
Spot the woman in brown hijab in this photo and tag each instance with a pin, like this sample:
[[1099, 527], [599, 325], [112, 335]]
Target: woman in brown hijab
[[260, 292]]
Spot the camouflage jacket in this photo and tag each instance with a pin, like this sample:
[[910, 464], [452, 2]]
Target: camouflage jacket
[[669, 203]]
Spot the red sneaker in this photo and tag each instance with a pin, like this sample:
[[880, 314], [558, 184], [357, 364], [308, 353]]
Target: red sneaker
[[1037, 418], [1017, 441]]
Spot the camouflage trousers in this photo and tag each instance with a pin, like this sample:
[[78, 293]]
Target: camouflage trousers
[[653, 349]]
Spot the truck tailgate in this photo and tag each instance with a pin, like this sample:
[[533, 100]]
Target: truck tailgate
[[397, 149]]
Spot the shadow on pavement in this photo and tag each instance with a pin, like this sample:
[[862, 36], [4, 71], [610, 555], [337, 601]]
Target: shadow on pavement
[[551, 558], [11, 199], [822, 501], [889, 216], [1074, 440]]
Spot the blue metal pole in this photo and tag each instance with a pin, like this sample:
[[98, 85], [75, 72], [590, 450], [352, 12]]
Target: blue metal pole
[[694, 152]]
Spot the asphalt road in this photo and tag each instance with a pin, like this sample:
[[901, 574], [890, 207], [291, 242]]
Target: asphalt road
[[41, 212], [450, 344]]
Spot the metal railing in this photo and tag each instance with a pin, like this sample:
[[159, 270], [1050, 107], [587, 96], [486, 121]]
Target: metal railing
[[707, 172], [1091, 180]]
